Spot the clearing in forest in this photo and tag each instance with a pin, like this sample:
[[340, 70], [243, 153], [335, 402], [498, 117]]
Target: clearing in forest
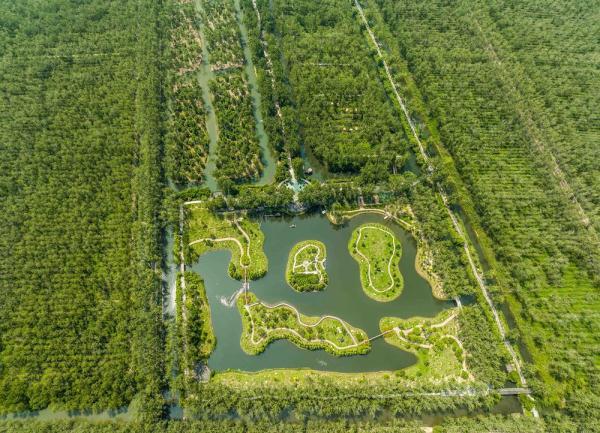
[[305, 271], [262, 324], [378, 252]]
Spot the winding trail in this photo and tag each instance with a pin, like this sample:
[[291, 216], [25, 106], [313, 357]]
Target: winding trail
[[226, 239], [499, 324], [393, 282], [402, 333], [237, 242], [307, 325], [306, 264], [386, 215]]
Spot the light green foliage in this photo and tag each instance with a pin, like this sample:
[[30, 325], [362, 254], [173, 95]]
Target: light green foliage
[[207, 231], [79, 197], [305, 271], [378, 252], [435, 341], [262, 324]]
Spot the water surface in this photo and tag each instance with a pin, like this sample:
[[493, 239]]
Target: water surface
[[343, 297]]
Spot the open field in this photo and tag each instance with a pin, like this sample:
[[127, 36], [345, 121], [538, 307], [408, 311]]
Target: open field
[[377, 252], [305, 271], [264, 323]]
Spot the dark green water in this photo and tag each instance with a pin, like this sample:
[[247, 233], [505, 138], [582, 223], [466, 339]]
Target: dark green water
[[343, 297]]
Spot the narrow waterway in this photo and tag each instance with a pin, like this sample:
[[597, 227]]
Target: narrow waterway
[[268, 159], [343, 297], [122, 414], [205, 75], [169, 274]]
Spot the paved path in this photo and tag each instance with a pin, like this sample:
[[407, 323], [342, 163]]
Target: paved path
[[392, 283], [384, 213], [480, 281], [305, 264], [283, 304]]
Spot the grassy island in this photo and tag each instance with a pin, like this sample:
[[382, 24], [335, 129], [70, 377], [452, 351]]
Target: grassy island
[[262, 324], [378, 252], [305, 271], [435, 342], [208, 232]]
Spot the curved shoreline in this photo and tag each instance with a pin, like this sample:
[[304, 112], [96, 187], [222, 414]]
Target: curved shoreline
[[280, 332], [396, 283], [293, 270]]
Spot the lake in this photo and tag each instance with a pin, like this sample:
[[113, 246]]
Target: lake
[[343, 297]]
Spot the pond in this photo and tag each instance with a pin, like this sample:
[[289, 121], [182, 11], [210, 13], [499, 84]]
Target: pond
[[343, 297]]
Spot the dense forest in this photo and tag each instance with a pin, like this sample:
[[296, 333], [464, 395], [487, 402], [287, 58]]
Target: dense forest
[[238, 152], [515, 424], [79, 170], [545, 52], [327, 85], [102, 102], [543, 253]]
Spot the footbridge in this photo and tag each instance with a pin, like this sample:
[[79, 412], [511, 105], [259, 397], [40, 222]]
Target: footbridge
[[514, 391]]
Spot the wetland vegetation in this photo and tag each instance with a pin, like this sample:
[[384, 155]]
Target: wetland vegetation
[[264, 215]]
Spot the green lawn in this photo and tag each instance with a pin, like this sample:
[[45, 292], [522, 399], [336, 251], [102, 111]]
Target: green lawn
[[207, 231], [434, 341], [378, 252], [305, 271], [263, 324]]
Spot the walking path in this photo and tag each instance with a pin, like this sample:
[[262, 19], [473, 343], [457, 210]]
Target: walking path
[[392, 281], [401, 334], [299, 319], [499, 324], [305, 264], [533, 132], [386, 215], [237, 242]]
